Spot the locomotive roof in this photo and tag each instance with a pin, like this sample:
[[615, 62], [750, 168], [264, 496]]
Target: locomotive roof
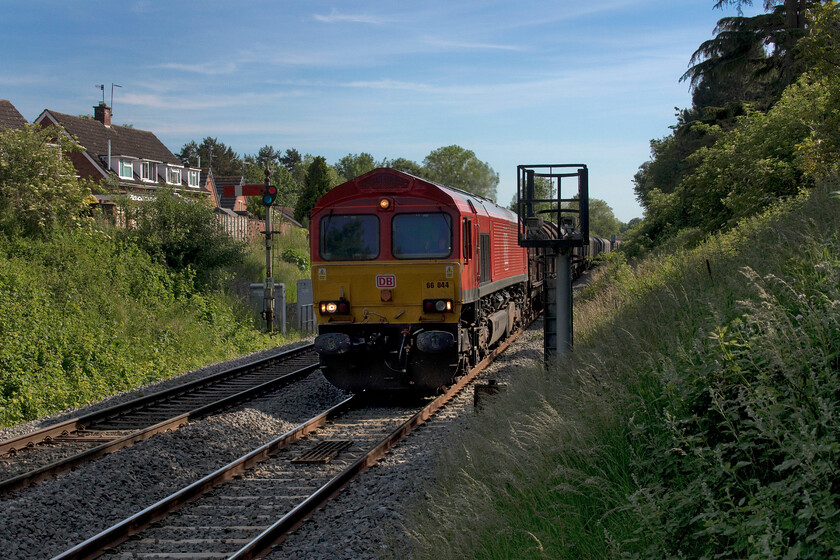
[[391, 182]]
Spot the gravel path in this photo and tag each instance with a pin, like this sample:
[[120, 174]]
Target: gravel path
[[46, 519]]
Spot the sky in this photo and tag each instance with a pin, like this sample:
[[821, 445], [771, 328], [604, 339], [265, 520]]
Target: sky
[[518, 83]]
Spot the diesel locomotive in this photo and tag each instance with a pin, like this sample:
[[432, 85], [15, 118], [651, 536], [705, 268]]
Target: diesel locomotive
[[413, 281]]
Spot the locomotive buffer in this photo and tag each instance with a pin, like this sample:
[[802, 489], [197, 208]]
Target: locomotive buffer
[[554, 226]]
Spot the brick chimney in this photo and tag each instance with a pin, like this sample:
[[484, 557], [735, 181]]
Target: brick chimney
[[102, 113]]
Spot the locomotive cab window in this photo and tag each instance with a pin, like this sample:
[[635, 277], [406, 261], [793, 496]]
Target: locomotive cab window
[[421, 236], [349, 237]]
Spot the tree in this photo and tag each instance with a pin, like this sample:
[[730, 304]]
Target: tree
[[318, 182], [254, 172], [211, 153], [740, 44], [352, 165], [38, 185], [290, 159], [821, 151], [454, 166], [602, 221], [404, 165]]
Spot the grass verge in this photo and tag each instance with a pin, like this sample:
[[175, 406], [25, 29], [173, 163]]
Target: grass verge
[[697, 417]]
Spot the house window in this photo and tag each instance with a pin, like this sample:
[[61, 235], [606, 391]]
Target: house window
[[126, 169], [148, 171], [192, 178], [173, 176]]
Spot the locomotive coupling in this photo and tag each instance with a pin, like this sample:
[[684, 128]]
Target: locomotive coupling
[[331, 344]]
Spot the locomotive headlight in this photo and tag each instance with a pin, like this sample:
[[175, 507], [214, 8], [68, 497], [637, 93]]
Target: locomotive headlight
[[384, 203], [341, 307]]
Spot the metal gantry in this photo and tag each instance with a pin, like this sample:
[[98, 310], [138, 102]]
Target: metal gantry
[[554, 225]]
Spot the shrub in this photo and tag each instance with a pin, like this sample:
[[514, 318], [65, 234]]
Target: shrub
[[38, 186], [183, 233], [296, 258]]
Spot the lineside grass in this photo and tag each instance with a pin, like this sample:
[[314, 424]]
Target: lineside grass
[[698, 416], [84, 315]]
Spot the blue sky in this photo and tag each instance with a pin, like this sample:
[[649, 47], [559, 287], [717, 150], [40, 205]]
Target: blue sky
[[520, 82]]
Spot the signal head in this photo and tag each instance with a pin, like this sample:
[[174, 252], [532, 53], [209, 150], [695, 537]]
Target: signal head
[[269, 195]]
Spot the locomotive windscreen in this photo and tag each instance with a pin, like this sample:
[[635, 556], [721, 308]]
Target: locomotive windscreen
[[421, 236], [349, 237]]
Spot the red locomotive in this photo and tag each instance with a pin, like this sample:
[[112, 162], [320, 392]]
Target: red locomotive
[[412, 281]]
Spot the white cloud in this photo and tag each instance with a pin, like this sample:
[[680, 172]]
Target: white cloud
[[208, 68], [442, 43], [335, 17]]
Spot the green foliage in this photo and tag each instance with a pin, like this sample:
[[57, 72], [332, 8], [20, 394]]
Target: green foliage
[[821, 152], [602, 221], [87, 314], [295, 257], [38, 185], [352, 165], [318, 182], [760, 160], [454, 166], [758, 123], [182, 234], [754, 164], [406, 166], [221, 159], [288, 272]]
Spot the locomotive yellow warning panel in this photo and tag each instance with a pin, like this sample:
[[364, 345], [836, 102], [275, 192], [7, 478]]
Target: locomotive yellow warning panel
[[389, 292]]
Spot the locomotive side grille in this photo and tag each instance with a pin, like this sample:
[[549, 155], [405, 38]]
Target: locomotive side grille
[[484, 274]]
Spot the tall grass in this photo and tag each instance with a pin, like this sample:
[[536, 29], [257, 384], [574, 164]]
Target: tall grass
[[696, 418], [295, 245]]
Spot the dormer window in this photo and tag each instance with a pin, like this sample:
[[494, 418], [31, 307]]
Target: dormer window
[[126, 169], [193, 178], [148, 171], [173, 176]]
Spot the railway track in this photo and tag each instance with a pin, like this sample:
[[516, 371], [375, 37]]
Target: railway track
[[245, 508], [34, 457]]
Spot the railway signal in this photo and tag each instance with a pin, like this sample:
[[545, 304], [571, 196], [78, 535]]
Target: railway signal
[[270, 194]]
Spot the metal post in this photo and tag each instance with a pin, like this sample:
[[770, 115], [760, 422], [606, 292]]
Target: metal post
[[558, 310], [268, 308]]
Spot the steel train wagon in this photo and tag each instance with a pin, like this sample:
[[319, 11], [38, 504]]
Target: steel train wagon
[[413, 281]]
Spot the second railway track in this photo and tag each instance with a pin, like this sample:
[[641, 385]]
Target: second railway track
[[36, 456]]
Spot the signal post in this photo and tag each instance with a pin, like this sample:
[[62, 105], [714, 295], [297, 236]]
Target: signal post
[[268, 192]]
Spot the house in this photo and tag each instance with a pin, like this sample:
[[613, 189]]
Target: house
[[217, 186], [10, 117], [134, 159]]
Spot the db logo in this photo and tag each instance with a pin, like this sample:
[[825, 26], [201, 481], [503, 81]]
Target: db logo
[[386, 281]]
